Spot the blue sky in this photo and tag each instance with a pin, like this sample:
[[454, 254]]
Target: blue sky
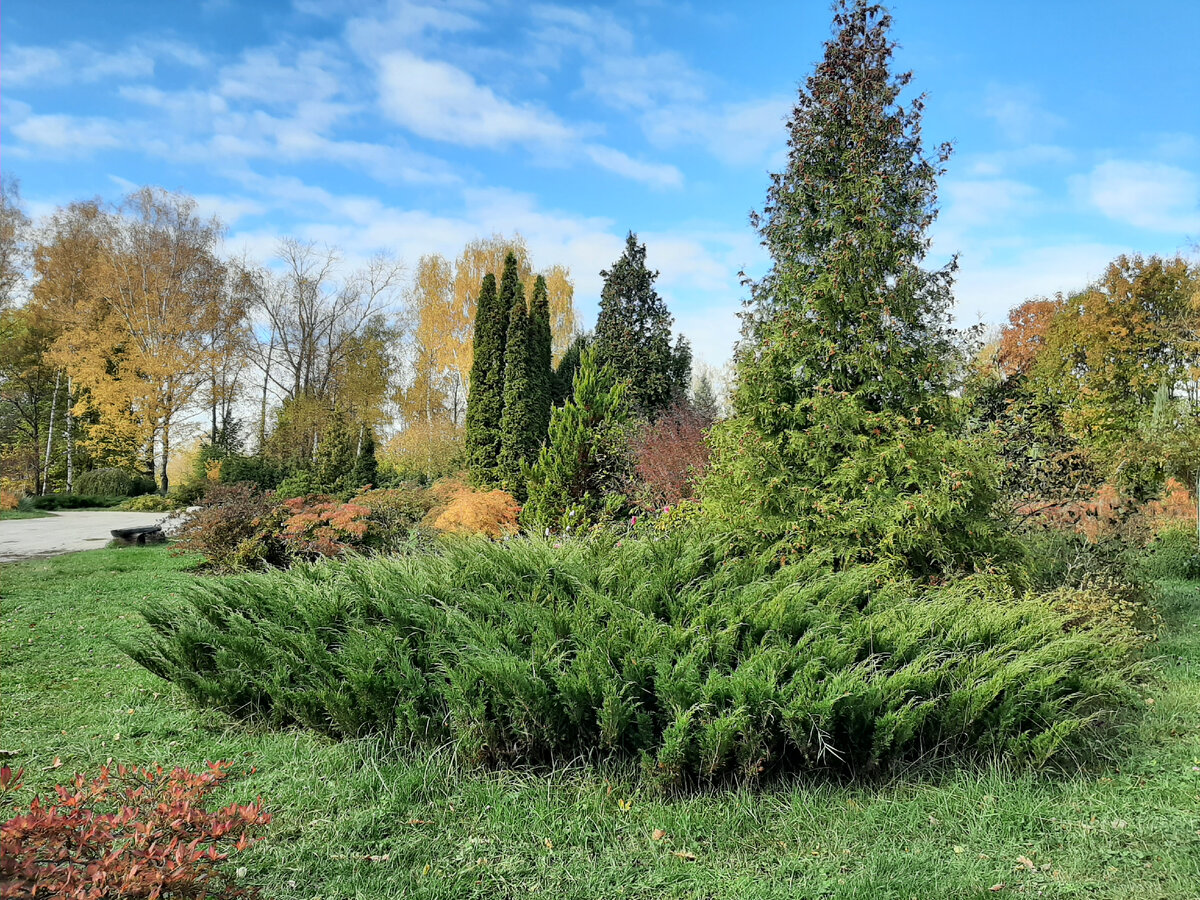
[[412, 127]]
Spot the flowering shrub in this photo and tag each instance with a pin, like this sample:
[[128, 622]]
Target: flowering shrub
[[144, 833]]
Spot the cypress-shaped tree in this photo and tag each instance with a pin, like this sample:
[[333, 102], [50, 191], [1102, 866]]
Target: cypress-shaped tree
[[844, 430], [543, 372], [485, 394], [582, 470], [519, 435], [366, 466], [633, 334]]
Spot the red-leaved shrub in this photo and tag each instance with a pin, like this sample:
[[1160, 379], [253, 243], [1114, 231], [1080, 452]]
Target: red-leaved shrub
[[671, 454], [318, 526], [141, 834]]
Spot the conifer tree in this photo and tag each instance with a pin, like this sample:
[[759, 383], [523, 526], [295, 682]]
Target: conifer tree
[[562, 384], [485, 397], [633, 334], [843, 434], [704, 400], [543, 372], [366, 466], [333, 463], [583, 469], [519, 435]]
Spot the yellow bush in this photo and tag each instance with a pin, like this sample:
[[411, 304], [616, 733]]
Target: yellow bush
[[9, 499], [463, 510]]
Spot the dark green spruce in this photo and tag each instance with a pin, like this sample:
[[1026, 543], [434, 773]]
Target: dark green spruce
[[633, 334]]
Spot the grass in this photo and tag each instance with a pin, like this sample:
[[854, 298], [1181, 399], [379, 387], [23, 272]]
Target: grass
[[6, 514], [355, 819]]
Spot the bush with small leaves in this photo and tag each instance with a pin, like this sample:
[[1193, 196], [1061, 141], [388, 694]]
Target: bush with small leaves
[[132, 833]]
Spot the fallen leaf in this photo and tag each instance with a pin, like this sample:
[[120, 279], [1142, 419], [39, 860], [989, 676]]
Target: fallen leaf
[[383, 858], [625, 805], [996, 888], [959, 848], [685, 855], [1026, 862], [549, 844], [933, 821], [57, 764], [417, 822], [658, 834]]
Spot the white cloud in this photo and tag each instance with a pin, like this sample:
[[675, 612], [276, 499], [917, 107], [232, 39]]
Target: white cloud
[[742, 133], [984, 203], [990, 283], [1149, 195], [263, 77], [1000, 162], [439, 101], [1018, 113], [79, 63], [61, 135], [655, 174]]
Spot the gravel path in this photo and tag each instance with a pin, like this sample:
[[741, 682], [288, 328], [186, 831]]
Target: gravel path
[[66, 532]]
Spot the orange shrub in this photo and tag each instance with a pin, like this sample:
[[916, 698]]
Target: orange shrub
[[463, 510], [9, 499]]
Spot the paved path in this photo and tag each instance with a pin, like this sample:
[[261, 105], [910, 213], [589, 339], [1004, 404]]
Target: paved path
[[65, 532]]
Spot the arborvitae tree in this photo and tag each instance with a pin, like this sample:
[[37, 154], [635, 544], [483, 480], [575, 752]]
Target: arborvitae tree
[[366, 466], [704, 400], [633, 334], [562, 385], [582, 471], [543, 372], [485, 396], [843, 428], [333, 464], [519, 426]]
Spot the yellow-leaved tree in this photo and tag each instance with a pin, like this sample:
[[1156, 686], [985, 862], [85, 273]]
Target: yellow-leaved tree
[[138, 339]]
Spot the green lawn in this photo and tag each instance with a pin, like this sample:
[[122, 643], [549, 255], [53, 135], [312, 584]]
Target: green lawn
[[22, 514], [358, 820]]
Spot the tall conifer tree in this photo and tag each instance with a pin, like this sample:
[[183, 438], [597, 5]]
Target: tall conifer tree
[[543, 373], [843, 428], [485, 397], [519, 436]]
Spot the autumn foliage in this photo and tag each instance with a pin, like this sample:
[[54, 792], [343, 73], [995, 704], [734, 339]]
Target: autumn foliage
[[464, 510], [670, 454], [138, 833]]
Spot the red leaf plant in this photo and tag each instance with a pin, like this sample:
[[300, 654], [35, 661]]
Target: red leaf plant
[[143, 833]]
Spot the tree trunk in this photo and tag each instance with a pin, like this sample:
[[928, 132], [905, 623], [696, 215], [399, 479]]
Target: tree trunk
[[166, 455], [262, 421], [50, 433], [70, 441]]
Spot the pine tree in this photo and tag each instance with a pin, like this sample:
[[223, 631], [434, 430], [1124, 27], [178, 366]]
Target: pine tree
[[633, 334], [485, 396], [842, 434], [543, 372], [519, 435], [583, 469], [366, 466]]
